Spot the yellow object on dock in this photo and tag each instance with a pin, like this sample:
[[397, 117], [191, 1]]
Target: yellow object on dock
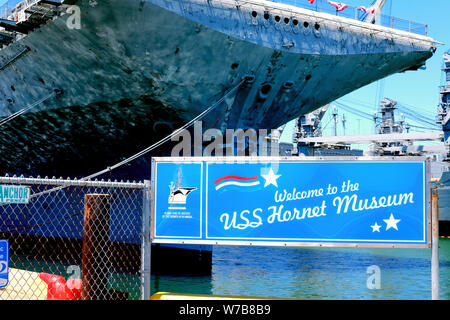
[[24, 285], [183, 296]]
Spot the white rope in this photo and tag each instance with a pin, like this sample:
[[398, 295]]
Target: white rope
[[153, 146], [164, 140], [18, 113]]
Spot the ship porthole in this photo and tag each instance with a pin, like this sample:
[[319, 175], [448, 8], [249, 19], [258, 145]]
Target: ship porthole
[[306, 28], [317, 30], [295, 27], [266, 21], [254, 14], [264, 91], [277, 19], [286, 20], [249, 78], [288, 84]]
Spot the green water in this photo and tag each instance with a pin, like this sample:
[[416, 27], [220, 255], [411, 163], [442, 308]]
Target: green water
[[284, 272], [316, 273]]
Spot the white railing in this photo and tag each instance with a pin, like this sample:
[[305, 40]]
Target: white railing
[[8, 8], [358, 14]]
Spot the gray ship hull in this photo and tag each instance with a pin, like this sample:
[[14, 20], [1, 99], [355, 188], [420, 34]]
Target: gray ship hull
[[136, 70]]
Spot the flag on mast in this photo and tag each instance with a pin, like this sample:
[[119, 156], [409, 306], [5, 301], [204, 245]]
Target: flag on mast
[[338, 5]]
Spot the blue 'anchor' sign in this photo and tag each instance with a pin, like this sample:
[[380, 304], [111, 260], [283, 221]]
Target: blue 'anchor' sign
[[4, 263], [291, 202]]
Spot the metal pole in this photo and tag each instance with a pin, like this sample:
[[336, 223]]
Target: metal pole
[[435, 244], [146, 243], [343, 124]]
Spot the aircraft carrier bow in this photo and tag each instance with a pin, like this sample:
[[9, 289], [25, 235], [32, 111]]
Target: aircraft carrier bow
[[88, 96]]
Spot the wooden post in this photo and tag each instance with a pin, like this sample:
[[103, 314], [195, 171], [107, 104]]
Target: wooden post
[[435, 244], [96, 255]]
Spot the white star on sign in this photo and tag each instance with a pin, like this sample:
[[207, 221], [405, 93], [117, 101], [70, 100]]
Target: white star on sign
[[375, 227], [391, 222], [271, 178]]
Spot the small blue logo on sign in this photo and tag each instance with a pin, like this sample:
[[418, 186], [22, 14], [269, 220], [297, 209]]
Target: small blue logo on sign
[[4, 265]]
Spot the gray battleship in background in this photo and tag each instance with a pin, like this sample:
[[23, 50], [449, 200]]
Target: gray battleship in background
[[135, 70], [443, 119]]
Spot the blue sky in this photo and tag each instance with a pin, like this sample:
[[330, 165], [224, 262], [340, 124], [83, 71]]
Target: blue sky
[[416, 89]]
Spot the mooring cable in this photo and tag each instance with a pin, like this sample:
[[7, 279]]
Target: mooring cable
[[153, 146], [167, 138], [21, 111]]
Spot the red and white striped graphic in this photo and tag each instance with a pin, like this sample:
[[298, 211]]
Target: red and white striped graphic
[[338, 5], [232, 180], [311, 1]]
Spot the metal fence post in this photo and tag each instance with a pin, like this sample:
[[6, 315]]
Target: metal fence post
[[435, 244], [146, 244], [96, 254]]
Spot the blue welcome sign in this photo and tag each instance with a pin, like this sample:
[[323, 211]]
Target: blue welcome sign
[[291, 201], [4, 263]]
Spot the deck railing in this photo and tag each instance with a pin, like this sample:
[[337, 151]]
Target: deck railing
[[358, 14]]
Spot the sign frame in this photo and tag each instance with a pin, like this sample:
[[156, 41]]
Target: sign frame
[[258, 159]]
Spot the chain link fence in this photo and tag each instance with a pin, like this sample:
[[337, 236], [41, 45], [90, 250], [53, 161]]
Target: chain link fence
[[355, 13], [73, 239]]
